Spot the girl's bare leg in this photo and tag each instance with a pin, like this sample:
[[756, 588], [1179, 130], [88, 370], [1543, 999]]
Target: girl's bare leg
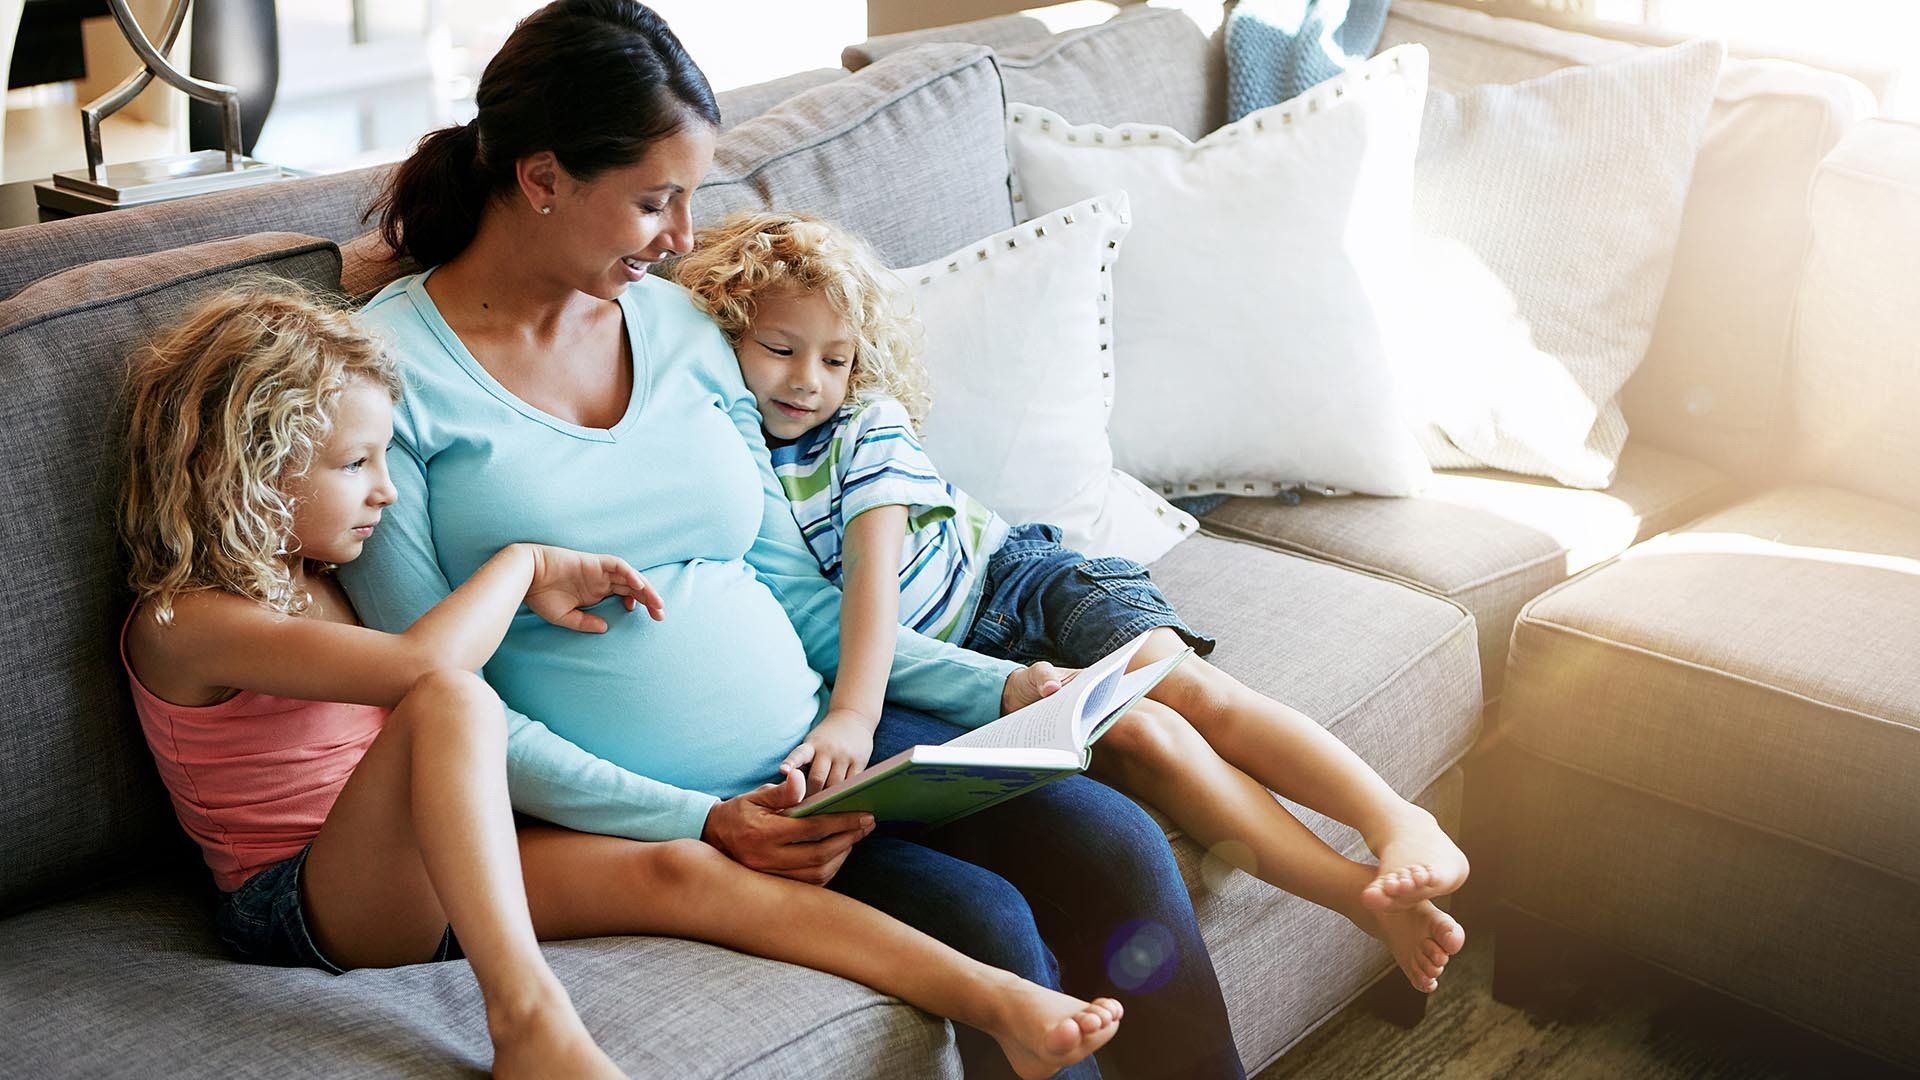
[[582, 885], [422, 836], [1291, 754], [1155, 755]]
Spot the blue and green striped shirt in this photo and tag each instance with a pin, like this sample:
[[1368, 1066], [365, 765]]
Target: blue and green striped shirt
[[868, 456]]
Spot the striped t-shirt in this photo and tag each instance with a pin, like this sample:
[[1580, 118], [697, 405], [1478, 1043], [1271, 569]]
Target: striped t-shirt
[[868, 456]]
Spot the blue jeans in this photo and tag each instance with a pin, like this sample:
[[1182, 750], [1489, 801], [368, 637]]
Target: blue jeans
[[1072, 886], [1043, 600]]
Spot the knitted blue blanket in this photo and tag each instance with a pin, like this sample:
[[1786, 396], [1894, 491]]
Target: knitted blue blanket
[[1278, 49]]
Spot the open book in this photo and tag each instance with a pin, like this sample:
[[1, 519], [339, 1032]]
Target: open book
[[1023, 750]]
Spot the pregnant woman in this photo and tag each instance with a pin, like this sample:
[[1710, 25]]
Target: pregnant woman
[[558, 392]]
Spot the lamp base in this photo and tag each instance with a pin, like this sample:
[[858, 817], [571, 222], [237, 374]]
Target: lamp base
[[141, 183]]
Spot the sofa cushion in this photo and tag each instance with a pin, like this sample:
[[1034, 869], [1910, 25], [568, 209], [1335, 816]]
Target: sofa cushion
[[1390, 670], [910, 152], [741, 104], [1711, 385], [1486, 540], [139, 972], [1757, 665], [329, 207], [79, 799], [1143, 66], [1856, 383], [1285, 964]]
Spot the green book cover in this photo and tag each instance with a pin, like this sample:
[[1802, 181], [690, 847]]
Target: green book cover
[[1015, 754]]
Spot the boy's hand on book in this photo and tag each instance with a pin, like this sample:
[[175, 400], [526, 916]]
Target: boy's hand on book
[[836, 748], [1030, 684], [753, 831], [564, 581]]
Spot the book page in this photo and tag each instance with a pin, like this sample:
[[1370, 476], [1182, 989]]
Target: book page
[[1127, 689], [1056, 722], [1047, 723]]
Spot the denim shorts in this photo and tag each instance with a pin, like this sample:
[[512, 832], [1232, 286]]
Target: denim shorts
[[264, 921], [1045, 601]]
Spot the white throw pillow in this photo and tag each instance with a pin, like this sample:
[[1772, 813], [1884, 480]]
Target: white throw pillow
[[1019, 351], [1261, 265], [1544, 221]]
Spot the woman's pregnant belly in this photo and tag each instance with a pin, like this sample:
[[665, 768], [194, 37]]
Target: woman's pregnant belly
[[710, 699]]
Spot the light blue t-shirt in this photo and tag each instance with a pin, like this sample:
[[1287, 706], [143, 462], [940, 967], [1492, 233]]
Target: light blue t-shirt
[[639, 731]]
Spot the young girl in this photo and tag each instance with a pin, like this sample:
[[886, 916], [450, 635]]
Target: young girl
[[348, 787], [828, 353]]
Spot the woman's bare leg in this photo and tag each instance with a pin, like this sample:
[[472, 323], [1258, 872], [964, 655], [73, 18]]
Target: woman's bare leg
[[1155, 755], [1291, 754], [582, 885], [422, 836]]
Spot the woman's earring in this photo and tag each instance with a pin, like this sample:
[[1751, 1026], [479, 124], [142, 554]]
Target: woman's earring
[[546, 209]]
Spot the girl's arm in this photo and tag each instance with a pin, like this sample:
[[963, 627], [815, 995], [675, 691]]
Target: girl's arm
[[222, 640]]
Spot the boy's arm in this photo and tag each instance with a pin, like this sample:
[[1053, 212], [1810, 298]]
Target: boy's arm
[[869, 609], [952, 683]]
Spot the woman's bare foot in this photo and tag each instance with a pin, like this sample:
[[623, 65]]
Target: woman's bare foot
[[1418, 862], [1422, 939], [545, 1038], [1042, 1031]]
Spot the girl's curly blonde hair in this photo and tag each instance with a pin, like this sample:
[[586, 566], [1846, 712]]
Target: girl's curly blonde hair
[[748, 255], [225, 407]]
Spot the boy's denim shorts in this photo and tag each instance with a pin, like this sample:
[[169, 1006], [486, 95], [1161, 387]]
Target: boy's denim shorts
[[265, 922], [1045, 601]]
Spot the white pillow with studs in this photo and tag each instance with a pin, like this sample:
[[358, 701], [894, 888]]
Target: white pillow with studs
[[1261, 274], [1019, 350]]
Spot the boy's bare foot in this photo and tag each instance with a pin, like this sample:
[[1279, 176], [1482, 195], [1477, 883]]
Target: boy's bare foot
[[1418, 861], [1042, 1031], [546, 1040], [1422, 939]]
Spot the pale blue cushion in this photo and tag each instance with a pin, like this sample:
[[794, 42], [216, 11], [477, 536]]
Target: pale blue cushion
[[1279, 49]]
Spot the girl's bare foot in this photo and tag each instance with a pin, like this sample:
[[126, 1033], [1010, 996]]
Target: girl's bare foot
[[1418, 862], [1422, 939], [1042, 1031], [544, 1039]]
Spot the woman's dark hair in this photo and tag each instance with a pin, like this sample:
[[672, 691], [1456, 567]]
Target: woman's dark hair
[[594, 81]]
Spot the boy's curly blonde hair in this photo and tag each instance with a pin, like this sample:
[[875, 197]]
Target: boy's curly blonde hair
[[752, 254], [225, 407]]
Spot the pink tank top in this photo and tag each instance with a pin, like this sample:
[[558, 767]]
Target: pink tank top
[[253, 777]]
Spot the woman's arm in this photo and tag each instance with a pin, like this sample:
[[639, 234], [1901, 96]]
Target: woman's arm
[[398, 578]]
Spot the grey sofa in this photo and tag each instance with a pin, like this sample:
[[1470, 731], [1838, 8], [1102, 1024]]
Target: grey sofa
[[1388, 620]]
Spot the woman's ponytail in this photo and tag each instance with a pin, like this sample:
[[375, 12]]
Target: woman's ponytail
[[431, 207], [594, 81]]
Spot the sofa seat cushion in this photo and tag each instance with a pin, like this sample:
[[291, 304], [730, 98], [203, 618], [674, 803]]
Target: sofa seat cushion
[[1488, 541], [78, 794], [1285, 964], [1757, 665], [1393, 672], [131, 982], [1390, 670]]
